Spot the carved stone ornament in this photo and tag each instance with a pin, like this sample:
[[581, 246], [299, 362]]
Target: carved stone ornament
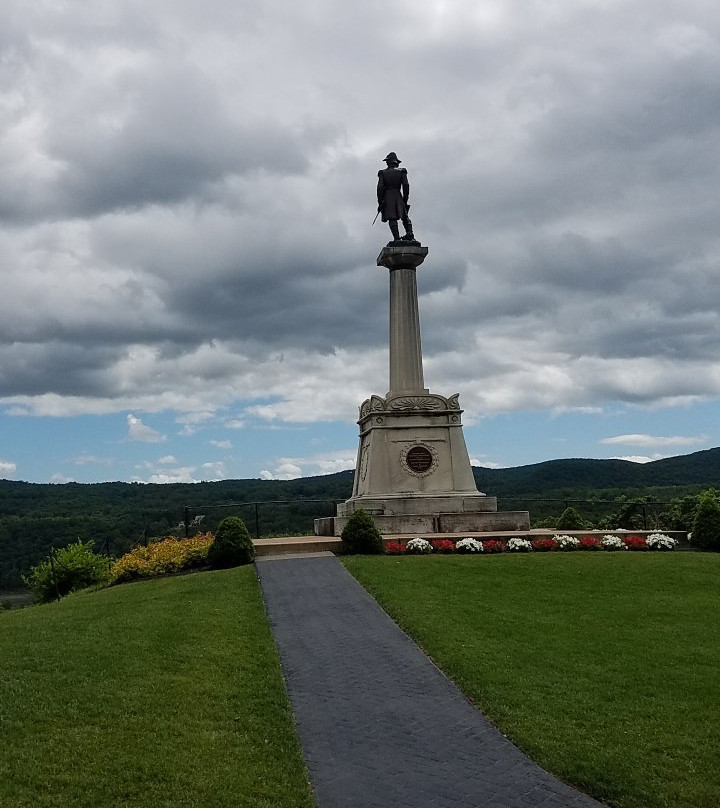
[[364, 461], [419, 459], [453, 402], [372, 404], [417, 403]]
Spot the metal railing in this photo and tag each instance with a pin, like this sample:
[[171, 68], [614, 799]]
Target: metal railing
[[195, 510]]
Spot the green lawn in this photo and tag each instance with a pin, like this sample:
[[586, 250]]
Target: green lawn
[[161, 693], [604, 667]]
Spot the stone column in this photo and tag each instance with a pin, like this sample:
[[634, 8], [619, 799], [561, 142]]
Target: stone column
[[406, 369]]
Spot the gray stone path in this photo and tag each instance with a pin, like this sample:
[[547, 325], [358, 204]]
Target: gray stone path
[[380, 725]]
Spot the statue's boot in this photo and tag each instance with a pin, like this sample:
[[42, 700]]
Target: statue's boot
[[394, 229], [409, 235]]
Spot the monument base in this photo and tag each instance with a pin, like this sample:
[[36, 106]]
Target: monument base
[[429, 523], [413, 473]]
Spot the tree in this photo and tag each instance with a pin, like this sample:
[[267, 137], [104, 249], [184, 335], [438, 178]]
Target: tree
[[706, 526], [570, 519], [360, 535]]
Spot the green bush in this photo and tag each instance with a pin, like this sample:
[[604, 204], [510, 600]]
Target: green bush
[[232, 545], [706, 526], [360, 535], [71, 568], [570, 519]]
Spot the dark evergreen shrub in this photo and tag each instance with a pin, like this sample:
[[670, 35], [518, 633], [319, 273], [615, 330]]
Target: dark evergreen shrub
[[232, 545], [570, 519], [706, 526], [360, 535]]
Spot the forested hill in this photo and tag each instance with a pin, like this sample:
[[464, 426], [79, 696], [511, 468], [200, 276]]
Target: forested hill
[[699, 468], [34, 517]]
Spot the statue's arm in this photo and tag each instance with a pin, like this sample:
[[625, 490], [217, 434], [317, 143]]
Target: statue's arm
[[380, 188], [405, 186]]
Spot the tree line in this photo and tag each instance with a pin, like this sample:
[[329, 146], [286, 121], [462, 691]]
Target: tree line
[[35, 518]]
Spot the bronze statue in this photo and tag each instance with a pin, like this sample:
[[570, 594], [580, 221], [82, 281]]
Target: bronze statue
[[393, 192]]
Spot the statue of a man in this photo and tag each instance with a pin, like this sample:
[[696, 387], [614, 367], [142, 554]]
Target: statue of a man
[[393, 192]]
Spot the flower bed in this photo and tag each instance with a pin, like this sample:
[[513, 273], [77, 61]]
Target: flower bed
[[542, 544]]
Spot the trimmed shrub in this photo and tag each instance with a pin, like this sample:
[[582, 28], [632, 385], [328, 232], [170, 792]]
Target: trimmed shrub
[[706, 526], [360, 534], [570, 519], [69, 569], [232, 545]]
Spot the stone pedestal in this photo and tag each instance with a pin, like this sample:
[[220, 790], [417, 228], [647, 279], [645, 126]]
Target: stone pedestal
[[413, 472]]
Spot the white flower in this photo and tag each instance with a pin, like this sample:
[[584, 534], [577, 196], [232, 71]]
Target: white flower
[[418, 546], [518, 545], [469, 545], [613, 543], [659, 541], [567, 542]]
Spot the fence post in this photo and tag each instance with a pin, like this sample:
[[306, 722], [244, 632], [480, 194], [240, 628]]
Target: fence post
[[54, 576]]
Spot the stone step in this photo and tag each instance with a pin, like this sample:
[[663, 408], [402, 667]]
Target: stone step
[[297, 544]]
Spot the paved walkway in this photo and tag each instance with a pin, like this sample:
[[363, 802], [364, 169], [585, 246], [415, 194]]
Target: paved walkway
[[380, 725]]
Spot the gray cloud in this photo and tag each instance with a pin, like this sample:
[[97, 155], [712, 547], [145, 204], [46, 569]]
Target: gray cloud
[[186, 197]]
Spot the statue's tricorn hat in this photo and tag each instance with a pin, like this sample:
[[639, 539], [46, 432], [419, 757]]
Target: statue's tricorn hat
[[392, 158]]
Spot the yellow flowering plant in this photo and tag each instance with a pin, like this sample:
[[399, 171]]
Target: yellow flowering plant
[[161, 558]]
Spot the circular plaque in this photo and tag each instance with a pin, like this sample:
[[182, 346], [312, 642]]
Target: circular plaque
[[419, 460]]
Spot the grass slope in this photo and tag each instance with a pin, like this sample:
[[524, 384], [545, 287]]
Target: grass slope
[[161, 693], [603, 667]]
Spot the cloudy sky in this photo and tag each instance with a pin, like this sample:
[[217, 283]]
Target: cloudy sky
[[189, 289]]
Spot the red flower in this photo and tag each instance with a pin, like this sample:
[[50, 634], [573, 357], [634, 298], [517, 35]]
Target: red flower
[[589, 543], [636, 542], [493, 546], [443, 546], [545, 545], [394, 548]]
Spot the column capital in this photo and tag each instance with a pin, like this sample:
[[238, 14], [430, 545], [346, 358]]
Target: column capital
[[401, 256]]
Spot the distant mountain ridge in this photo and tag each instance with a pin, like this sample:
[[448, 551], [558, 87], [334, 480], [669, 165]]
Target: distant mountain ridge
[[698, 468]]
